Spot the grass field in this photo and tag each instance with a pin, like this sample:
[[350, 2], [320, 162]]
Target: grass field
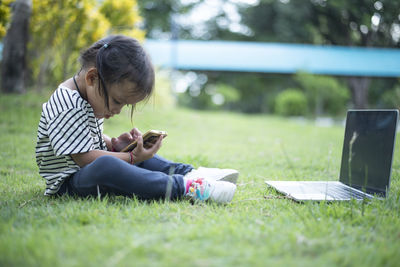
[[259, 228]]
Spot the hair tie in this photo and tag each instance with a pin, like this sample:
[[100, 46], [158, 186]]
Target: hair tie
[[105, 45]]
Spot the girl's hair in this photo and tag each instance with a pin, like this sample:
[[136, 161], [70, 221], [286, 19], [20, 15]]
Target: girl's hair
[[118, 58]]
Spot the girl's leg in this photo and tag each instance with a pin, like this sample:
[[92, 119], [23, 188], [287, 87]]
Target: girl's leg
[[160, 164], [108, 174]]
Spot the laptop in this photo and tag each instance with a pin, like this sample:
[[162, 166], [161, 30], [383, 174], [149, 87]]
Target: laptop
[[366, 165]]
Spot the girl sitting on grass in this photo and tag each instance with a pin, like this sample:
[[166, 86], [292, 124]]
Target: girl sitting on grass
[[76, 158]]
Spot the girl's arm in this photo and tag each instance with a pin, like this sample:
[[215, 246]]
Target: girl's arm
[[139, 154], [83, 159]]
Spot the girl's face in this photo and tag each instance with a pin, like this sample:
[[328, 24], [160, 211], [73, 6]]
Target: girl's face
[[119, 95]]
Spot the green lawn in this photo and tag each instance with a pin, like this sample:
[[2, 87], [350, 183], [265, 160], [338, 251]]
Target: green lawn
[[259, 228]]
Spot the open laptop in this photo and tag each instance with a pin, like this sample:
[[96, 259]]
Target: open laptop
[[366, 166]]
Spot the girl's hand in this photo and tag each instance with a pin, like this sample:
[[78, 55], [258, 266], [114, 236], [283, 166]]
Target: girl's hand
[[141, 153], [125, 139], [135, 133]]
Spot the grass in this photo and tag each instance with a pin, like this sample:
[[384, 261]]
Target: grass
[[258, 228]]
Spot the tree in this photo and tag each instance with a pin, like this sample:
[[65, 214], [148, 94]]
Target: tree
[[357, 23], [14, 52], [4, 16], [349, 23], [60, 29], [158, 16], [123, 16], [363, 23]]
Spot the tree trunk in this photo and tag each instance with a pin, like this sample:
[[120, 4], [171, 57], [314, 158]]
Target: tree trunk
[[359, 89], [41, 78], [14, 51]]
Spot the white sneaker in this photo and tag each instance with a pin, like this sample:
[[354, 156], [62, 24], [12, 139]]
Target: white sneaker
[[201, 189], [228, 175]]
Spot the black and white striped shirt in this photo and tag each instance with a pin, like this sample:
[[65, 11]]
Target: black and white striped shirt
[[67, 126]]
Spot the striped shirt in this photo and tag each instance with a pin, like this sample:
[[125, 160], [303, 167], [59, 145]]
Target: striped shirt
[[67, 126]]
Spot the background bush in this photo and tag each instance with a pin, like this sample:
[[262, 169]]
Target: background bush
[[291, 102], [325, 95]]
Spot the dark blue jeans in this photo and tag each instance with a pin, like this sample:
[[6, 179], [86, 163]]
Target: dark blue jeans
[[156, 178]]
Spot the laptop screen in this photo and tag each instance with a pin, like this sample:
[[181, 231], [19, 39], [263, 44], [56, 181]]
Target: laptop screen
[[368, 150]]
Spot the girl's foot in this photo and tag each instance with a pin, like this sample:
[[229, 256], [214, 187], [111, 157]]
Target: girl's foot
[[201, 189]]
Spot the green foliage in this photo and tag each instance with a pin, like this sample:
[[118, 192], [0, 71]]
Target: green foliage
[[123, 16], [325, 95], [60, 29], [339, 22], [212, 96], [160, 15], [323, 22], [391, 99], [5, 14], [200, 100], [350, 22], [291, 102], [256, 92], [230, 94], [281, 22]]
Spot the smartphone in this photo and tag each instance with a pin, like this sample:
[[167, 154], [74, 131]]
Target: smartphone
[[149, 137]]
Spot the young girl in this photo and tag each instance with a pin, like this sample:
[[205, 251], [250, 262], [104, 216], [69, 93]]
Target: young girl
[[76, 158]]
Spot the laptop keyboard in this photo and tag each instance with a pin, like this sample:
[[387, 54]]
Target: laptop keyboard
[[337, 191]]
